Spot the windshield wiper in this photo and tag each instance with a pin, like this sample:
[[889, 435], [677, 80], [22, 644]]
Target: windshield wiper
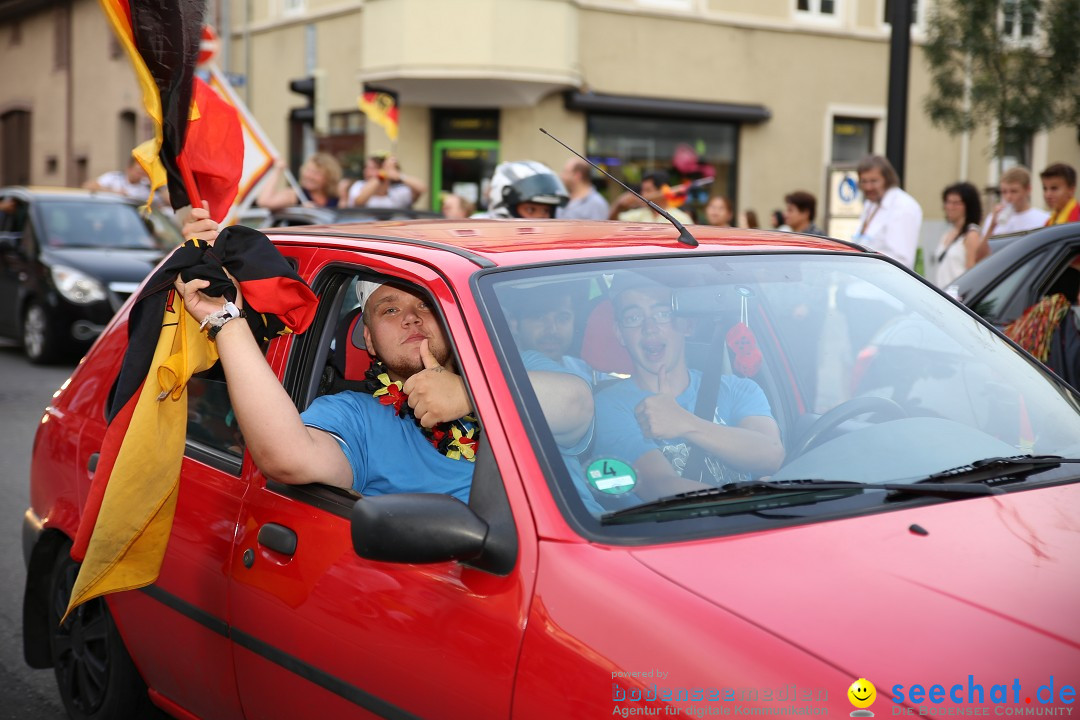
[[1012, 468], [748, 490], [981, 477]]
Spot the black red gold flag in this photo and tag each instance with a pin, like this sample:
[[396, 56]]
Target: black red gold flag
[[125, 525]]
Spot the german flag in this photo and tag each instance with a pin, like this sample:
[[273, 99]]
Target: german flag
[[125, 525], [162, 39], [381, 107]]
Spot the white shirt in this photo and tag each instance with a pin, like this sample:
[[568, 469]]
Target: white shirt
[[950, 262], [891, 227], [1017, 222], [398, 196], [116, 181]]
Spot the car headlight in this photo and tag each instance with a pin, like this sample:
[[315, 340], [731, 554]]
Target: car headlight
[[76, 286]]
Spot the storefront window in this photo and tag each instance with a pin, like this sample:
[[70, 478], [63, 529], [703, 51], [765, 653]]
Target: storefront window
[[687, 150]]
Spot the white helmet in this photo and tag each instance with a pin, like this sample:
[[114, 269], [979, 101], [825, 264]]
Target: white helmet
[[524, 181]]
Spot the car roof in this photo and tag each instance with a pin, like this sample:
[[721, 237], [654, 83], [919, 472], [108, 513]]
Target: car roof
[[1008, 256], [490, 243]]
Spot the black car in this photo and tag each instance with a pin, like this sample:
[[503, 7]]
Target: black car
[[68, 260], [1022, 270]]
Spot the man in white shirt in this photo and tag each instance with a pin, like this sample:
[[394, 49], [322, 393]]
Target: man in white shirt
[[131, 182], [384, 186], [891, 218], [1014, 213]]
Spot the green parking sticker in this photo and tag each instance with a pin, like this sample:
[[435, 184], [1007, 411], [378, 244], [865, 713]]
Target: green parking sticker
[[611, 476]]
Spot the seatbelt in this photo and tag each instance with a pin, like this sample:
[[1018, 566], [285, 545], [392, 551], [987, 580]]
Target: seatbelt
[[705, 405]]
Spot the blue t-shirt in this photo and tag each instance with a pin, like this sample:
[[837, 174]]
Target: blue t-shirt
[[388, 454], [619, 436]]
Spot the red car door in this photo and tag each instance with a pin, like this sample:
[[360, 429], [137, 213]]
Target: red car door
[[319, 631], [176, 629]]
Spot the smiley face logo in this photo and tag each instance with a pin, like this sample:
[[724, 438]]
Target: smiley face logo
[[862, 693]]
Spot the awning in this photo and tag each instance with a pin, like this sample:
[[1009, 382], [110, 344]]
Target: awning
[[684, 109]]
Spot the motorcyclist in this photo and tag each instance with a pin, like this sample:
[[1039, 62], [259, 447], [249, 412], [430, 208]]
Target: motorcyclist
[[525, 189]]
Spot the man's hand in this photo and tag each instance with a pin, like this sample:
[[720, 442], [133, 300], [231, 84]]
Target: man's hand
[[198, 304], [660, 416], [199, 225], [390, 170], [436, 394]]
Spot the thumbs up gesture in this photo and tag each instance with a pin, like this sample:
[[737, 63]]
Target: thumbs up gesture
[[660, 416], [436, 394]]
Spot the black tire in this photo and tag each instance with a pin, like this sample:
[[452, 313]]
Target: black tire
[[38, 335], [94, 673]]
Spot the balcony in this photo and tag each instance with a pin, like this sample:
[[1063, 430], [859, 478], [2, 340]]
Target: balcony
[[471, 53]]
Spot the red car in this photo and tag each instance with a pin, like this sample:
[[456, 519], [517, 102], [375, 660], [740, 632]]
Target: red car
[[920, 535]]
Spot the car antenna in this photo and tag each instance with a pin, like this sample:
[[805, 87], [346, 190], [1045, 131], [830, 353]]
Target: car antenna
[[684, 235]]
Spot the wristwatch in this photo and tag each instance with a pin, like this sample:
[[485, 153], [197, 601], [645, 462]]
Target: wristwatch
[[217, 320]]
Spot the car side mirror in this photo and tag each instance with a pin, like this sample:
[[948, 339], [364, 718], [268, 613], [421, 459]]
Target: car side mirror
[[416, 528]]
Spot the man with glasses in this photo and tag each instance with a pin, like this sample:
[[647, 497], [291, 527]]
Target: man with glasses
[[648, 420]]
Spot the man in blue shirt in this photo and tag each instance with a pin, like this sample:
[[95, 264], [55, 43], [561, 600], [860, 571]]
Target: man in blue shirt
[[354, 441], [648, 421]]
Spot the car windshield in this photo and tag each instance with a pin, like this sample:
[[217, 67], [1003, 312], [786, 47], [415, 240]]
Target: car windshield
[[88, 224], [642, 380]]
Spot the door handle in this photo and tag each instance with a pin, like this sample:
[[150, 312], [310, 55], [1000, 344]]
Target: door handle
[[91, 464], [278, 538]]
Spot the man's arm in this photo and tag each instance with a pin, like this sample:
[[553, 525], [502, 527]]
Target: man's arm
[[270, 197], [394, 174], [367, 190], [566, 402], [657, 479], [754, 445], [280, 444]]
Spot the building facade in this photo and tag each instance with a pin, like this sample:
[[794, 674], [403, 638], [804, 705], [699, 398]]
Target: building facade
[[766, 97]]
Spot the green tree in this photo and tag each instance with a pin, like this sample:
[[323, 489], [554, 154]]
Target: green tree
[[1013, 64]]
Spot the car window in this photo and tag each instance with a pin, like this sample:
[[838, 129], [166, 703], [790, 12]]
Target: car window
[[995, 304], [868, 374], [211, 421], [87, 224], [331, 359], [164, 229]]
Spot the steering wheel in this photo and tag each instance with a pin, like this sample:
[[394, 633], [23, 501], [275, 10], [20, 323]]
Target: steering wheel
[[845, 411]]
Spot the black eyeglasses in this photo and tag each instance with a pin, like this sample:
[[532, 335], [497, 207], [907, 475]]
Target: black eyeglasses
[[636, 318]]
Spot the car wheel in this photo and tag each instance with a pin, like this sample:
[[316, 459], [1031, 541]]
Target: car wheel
[[39, 341], [95, 675]]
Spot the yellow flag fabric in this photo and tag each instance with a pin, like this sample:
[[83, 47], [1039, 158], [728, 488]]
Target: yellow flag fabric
[[132, 529]]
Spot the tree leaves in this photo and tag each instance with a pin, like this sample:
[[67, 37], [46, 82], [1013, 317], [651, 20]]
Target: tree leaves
[[980, 76]]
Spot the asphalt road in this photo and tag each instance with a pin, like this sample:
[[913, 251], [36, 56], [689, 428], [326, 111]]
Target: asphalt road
[[25, 390]]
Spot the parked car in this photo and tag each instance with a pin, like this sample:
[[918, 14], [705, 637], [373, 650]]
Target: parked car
[[911, 537], [68, 261], [1021, 270], [304, 215]]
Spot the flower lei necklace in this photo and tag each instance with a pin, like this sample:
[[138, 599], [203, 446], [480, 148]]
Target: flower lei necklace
[[456, 439]]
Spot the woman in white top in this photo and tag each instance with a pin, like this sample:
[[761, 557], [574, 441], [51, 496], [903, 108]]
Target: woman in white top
[[962, 245]]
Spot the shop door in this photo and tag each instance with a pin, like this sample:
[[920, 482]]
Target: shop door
[[463, 167]]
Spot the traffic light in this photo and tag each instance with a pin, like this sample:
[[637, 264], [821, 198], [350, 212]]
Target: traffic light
[[314, 114]]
